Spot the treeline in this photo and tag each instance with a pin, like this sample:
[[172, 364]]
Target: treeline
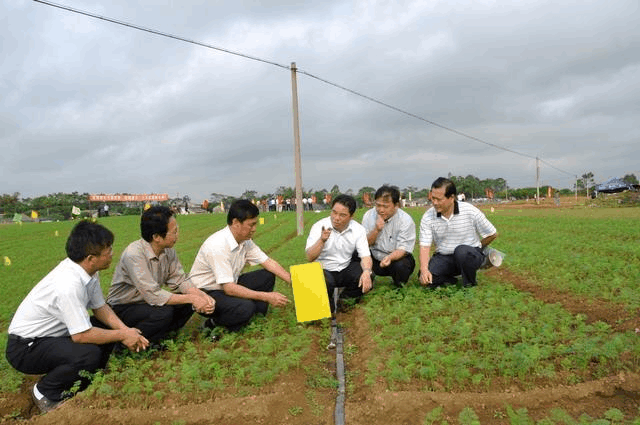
[[58, 206]]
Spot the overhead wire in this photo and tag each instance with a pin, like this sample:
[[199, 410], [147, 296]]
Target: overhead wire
[[161, 33], [308, 74]]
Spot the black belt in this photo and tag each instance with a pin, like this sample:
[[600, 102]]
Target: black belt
[[20, 339]]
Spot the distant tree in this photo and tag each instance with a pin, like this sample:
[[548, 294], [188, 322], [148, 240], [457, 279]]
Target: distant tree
[[586, 182], [216, 197], [360, 196], [249, 194], [409, 189], [9, 203], [630, 178], [335, 190], [286, 191]]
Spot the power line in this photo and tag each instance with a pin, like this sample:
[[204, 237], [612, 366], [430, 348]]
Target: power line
[[246, 56], [163, 34], [415, 116]]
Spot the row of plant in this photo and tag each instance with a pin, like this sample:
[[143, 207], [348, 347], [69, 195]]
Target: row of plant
[[468, 416], [590, 252], [492, 335]]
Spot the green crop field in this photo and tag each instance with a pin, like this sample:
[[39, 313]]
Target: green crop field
[[494, 337]]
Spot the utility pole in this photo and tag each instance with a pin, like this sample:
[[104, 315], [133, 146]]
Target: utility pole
[[296, 149], [537, 180]]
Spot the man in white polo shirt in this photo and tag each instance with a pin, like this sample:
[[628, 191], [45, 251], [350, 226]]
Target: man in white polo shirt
[[52, 333], [391, 234], [340, 245], [459, 232]]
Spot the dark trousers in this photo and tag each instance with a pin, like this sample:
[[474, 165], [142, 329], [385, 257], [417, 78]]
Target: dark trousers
[[154, 321], [234, 313], [399, 270], [347, 278], [59, 359], [465, 261]]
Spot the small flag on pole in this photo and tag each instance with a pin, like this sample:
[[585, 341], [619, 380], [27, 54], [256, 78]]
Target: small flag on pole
[[7, 261], [261, 220], [309, 292], [57, 234], [75, 210], [34, 214]]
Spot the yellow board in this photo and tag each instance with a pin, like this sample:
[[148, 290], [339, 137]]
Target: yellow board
[[309, 292]]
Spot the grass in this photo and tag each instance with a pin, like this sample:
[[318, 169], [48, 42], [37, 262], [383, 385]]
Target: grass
[[449, 339]]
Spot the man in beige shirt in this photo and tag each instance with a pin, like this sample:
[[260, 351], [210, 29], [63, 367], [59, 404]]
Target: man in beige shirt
[[136, 294], [217, 270]]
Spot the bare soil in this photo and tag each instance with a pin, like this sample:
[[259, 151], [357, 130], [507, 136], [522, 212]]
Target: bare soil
[[366, 405]]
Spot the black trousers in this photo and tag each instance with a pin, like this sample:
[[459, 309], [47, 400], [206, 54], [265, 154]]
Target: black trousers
[[399, 270], [347, 278], [234, 313], [155, 322], [59, 359], [465, 261]]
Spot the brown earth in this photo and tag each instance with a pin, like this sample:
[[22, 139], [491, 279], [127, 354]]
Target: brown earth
[[366, 405]]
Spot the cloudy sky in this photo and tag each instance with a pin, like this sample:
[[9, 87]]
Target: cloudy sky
[[91, 106]]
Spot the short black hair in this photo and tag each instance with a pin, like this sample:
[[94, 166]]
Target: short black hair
[[86, 239], [347, 201], [449, 186], [388, 191], [241, 210], [155, 221]]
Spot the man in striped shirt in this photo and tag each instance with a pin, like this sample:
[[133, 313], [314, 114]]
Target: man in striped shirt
[[459, 232]]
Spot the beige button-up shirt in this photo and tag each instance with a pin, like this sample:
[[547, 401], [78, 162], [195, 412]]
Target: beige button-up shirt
[[140, 276]]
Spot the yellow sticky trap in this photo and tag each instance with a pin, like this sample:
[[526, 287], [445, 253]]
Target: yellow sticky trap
[[7, 261], [261, 220], [309, 292]]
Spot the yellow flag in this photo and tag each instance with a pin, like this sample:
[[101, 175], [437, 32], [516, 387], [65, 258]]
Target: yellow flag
[[309, 292], [34, 214], [7, 261], [261, 220], [147, 206]]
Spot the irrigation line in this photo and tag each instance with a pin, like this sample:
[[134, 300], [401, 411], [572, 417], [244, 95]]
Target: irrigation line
[[337, 343], [339, 413]]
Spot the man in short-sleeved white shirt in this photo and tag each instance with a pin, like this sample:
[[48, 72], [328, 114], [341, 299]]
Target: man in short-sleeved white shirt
[[459, 232], [391, 234], [51, 333], [340, 245], [218, 266]]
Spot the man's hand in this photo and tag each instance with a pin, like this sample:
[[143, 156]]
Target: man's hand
[[134, 340], [276, 299], [385, 261], [365, 281], [204, 304], [325, 234], [380, 223], [425, 277]]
